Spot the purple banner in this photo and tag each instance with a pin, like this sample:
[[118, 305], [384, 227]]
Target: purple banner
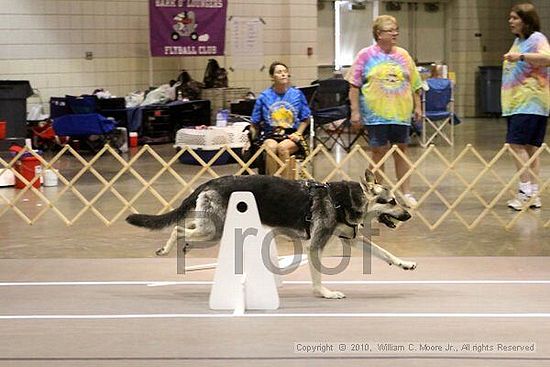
[[187, 27]]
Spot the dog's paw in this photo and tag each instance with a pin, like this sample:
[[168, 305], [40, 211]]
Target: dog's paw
[[327, 293], [408, 265], [334, 295], [161, 252]]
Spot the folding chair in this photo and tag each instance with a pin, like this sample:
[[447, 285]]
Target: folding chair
[[330, 110], [77, 118], [438, 112]]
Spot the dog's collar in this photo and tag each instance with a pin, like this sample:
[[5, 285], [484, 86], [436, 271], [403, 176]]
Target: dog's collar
[[312, 185]]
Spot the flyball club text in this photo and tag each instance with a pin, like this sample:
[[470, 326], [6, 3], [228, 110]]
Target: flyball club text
[[189, 3], [190, 50]]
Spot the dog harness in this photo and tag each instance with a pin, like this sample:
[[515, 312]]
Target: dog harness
[[311, 186]]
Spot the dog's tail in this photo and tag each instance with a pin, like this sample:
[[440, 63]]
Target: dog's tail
[[156, 222]]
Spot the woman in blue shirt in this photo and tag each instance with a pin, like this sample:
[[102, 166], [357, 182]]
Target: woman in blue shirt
[[280, 117]]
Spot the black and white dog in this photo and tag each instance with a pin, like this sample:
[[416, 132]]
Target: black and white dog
[[309, 208]]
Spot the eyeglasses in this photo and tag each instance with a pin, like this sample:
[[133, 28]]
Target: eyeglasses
[[393, 30]]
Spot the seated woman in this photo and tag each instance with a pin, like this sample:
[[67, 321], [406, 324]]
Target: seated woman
[[280, 117]]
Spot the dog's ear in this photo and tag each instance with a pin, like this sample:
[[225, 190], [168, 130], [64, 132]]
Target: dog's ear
[[368, 182], [370, 177], [368, 190]]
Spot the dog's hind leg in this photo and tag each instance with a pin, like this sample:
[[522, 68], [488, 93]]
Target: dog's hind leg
[[172, 241], [384, 255], [195, 231], [203, 224]]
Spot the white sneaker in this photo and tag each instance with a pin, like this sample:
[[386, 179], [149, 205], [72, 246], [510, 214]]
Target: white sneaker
[[536, 203], [519, 201], [410, 201]]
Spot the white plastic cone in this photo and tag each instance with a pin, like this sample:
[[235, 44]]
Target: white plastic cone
[[255, 287]]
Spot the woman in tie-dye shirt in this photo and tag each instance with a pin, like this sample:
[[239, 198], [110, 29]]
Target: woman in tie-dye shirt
[[526, 99], [384, 93], [280, 118]]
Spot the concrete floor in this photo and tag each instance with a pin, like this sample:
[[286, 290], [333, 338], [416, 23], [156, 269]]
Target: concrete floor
[[457, 294], [139, 312]]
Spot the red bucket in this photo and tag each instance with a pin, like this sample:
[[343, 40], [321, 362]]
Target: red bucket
[[28, 167], [2, 130]]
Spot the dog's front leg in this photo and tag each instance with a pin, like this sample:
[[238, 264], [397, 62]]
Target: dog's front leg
[[384, 255], [315, 268]]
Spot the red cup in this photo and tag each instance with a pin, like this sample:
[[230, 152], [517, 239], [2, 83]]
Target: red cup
[[2, 130], [133, 139]]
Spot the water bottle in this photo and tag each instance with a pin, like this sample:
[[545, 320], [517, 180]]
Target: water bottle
[[225, 116], [221, 118]]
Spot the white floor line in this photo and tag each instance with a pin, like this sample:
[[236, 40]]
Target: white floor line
[[154, 283], [280, 315], [284, 262]]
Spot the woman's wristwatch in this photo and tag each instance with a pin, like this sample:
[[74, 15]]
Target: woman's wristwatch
[[521, 57]]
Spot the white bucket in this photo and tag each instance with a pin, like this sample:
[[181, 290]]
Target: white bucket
[[7, 178], [50, 178]]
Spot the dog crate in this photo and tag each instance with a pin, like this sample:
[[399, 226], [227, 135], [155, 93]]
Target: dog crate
[[207, 142]]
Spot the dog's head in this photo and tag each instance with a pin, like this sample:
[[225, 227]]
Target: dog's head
[[381, 203]]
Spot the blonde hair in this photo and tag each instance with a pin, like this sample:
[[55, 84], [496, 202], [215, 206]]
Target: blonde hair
[[379, 23]]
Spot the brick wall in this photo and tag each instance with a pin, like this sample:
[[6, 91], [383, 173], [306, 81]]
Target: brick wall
[[45, 41]]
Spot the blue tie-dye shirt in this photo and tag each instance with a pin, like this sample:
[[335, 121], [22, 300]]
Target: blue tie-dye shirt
[[285, 110]]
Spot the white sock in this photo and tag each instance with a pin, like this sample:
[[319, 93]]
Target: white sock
[[534, 189], [525, 187]]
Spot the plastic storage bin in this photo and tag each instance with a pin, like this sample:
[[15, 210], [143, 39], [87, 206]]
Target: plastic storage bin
[[207, 142]]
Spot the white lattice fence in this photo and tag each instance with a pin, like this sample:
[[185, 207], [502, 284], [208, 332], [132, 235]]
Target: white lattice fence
[[467, 187]]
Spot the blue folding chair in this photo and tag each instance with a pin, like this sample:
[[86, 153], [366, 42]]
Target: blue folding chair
[[438, 117]]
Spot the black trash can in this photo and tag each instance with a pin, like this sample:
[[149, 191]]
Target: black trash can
[[490, 81], [13, 106]]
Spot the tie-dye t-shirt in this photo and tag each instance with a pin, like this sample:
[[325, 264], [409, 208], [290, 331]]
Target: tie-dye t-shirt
[[281, 110], [524, 85], [387, 82]]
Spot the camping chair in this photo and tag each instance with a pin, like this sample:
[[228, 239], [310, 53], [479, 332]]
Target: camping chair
[[256, 142], [330, 109], [438, 112], [77, 118]]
